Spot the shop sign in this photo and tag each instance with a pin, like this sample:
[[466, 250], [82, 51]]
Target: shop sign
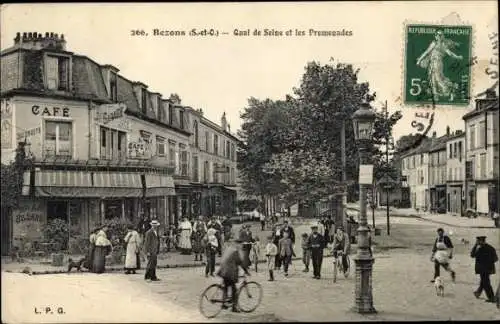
[[106, 113], [6, 124], [50, 111], [21, 135], [140, 148], [28, 220]]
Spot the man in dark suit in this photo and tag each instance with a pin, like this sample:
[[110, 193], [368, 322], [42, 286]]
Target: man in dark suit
[[152, 248], [316, 244], [485, 256], [229, 265], [289, 229]]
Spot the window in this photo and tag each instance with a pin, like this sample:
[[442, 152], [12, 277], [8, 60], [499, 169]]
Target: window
[[113, 144], [482, 166], [207, 141], [421, 177], [170, 114], [233, 151], [58, 138], [57, 72], [460, 151], [451, 151], [160, 114], [181, 119], [421, 159], [195, 131], [160, 146], [171, 155], [450, 174], [113, 88], [206, 172], [472, 137], [469, 169], [144, 101], [184, 166], [216, 144], [232, 176], [481, 134], [228, 149], [195, 169]]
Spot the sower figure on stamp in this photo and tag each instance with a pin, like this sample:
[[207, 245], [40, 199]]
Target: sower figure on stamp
[[316, 244], [442, 252], [485, 256], [152, 248]]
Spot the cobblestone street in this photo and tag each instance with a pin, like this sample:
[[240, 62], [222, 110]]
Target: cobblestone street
[[402, 291]]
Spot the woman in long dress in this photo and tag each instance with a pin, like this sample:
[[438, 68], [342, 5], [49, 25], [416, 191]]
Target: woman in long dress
[[133, 241], [102, 248], [199, 231], [186, 230], [433, 60], [89, 262]]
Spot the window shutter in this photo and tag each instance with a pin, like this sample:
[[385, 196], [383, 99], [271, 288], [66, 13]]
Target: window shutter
[[52, 73], [186, 120], [63, 73]]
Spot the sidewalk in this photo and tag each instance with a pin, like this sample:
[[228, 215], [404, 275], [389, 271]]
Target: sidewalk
[[165, 260], [445, 219]]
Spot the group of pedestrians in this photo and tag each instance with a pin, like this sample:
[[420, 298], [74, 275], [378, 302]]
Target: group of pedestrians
[[485, 257]]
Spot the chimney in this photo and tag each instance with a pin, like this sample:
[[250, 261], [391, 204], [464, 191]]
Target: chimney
[[447, 130], [229, 128], [223, 122], [36, 41], [434, 134]]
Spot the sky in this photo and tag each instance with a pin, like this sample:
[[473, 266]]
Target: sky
[[220, 73]]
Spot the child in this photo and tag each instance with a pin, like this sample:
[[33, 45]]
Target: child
[[306, 252], [211, 248], [286, 251], [255, 252], [271, 252]]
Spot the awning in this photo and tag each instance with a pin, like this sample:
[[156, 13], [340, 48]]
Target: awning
[[65, 184], [78, 184], [118, 184], [230, 188], [158, 185]]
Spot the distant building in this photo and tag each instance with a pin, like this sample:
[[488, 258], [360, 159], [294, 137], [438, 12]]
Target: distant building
[[437, 174], [455, 175], [482, 157]]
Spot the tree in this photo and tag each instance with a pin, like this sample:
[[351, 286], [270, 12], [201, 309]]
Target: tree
[[12, 179], [263, 133]]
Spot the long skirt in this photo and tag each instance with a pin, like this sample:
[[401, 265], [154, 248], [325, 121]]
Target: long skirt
[[89, 259], [185, 240], [100, 259]]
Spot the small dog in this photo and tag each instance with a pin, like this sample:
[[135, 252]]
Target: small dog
[[439, 285], [465, 242], [75, 264]]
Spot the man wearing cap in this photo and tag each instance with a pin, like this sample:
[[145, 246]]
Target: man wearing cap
[[442, 252], [152, 248], [485, 256], [316, 244]]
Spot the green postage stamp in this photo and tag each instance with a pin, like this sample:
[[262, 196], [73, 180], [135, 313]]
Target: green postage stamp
[[437, 63]]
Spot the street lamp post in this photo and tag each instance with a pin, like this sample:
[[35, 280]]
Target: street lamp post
[[363, 120]]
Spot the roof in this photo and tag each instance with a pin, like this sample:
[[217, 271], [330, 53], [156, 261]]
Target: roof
[[438, 144]]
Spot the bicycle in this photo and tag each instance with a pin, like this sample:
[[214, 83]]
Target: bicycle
[[337, 264], [213, 296]]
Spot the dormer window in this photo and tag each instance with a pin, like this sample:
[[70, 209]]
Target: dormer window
[[57, 74], [159, 112], [113, 87], [144, 100], [170, 114]]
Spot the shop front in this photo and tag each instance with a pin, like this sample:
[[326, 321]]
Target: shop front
[[160, 190], [455, 199]]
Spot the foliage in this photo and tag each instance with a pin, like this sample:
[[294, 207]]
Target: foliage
[[56, 231], [117, 229], [12, 179], [247, 204]]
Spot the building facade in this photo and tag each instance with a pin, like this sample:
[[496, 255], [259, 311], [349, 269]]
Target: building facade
[[101, 146], [437, 174], [481, 142], [455, 175], [415, 169]]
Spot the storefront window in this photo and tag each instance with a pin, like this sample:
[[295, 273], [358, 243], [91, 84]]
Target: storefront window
[[112, 209]]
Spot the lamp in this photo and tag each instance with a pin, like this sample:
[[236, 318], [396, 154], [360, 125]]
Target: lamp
[[363, 120]]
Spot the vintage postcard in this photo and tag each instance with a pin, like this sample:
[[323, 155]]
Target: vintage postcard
[[250, 162]]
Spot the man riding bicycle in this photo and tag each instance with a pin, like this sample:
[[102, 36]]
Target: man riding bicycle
[[231, 260], [341, 244]]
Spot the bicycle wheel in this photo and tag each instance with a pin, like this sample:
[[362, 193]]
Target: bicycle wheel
[[211, 301], [249, 296], [335, 270], [348, 269]]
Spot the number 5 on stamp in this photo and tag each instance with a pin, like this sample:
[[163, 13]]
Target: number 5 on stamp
[[437, 64]]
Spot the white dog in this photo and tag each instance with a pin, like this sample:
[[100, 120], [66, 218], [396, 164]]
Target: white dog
[[439, 285]]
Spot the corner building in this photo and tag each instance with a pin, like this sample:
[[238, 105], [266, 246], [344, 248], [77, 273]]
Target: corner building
[[103, 147]]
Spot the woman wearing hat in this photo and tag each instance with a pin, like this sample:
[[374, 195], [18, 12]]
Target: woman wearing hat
[[186, 230], [102, 249], [133, 241]]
